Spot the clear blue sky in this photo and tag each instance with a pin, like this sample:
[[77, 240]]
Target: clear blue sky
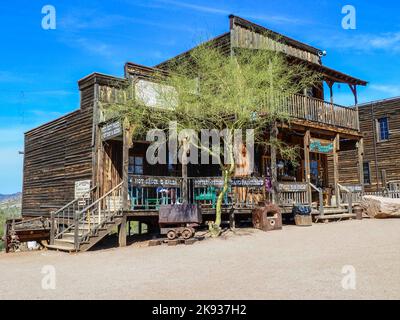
[[39, 69]]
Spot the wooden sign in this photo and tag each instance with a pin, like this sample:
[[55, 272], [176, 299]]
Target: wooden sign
[[111, 130], [234, 182], [321, 146], [82, 189], [170, 182], [354, 188], [292, 187]]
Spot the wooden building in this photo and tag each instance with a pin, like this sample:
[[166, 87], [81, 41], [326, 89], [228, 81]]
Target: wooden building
[[380, 127], [84, 172]]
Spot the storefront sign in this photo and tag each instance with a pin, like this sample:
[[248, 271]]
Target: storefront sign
[[234, 182], [155, 182], [292, 187], [111, 130], [321, 146], [354, 188]]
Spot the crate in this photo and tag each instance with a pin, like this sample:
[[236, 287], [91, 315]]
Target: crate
[[303, 221]]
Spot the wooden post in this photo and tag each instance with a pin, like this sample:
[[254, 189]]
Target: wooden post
[[52, 229], [360, 151], [336, 146], [127, 144], [185, 195], [122, 232], [274, 171], [307, 137]]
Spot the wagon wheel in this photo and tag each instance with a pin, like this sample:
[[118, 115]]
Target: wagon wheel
[[187, 234], [171, 234]]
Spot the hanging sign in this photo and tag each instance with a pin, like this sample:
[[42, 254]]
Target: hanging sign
[[321, 146], [111, 130]]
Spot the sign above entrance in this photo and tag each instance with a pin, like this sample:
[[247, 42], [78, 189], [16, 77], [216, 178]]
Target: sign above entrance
[[321, 146], [111, 130]]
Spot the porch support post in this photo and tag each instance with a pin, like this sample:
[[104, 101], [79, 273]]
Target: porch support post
[[122, 232], [330, 85], [307, 137], [360, 151], [274, 171], [127, 144], [336, 147]]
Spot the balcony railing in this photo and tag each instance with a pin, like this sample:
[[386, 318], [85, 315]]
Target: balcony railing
[[316, 110]]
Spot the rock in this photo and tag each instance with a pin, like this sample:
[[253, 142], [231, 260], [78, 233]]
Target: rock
[[380, 207]]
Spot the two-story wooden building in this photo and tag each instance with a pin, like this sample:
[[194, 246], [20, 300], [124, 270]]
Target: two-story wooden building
[[85, 171], [380, 127]]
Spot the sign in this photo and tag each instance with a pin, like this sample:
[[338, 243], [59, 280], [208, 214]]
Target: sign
[[321, 146], [354, 188], [82, 189], [170, 182], [234, 182], [111, 130], [292, 187]]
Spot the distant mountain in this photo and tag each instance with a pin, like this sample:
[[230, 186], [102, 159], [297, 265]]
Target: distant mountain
[[8, 197], [9, 201]]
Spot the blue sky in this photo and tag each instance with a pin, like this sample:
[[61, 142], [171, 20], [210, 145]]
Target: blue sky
[[39, 69]]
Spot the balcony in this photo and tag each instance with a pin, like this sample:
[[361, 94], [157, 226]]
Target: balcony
[[321, 112]]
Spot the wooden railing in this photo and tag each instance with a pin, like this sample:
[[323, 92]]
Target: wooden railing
[[316, 110]]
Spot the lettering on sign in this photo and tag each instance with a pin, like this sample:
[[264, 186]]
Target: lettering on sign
[[155, 181], [321, 146], [82, 189], [292, 187], [111, 131]]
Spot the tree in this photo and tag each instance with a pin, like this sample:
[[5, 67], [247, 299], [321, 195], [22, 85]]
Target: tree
[[210, 90]]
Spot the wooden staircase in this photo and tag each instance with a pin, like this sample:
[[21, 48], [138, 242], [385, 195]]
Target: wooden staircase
[[77, 230], [334, 213]]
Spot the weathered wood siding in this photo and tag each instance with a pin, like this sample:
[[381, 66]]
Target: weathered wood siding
[[56, 155], [387, 152]]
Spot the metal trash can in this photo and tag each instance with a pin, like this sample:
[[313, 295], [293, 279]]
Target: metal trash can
[[358, 211]]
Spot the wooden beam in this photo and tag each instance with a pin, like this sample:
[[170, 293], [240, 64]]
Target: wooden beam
[[127, 145], [122, 232], [353, 88], [336, 146], [274, 171], [307, 168], [330, 85], [360, 151]]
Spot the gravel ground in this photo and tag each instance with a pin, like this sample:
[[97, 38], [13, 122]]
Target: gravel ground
[[296, 263]]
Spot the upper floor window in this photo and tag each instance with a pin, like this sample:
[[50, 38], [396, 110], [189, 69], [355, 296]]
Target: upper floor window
[[383, 129]]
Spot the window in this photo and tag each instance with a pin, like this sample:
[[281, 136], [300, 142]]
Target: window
[[136, 164], [367, 173], [383, 129]]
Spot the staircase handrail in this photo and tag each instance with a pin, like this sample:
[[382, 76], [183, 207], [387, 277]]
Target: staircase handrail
[[350, 197]]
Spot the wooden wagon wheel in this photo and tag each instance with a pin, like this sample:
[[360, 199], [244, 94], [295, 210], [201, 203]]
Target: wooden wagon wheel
[[171, 234], [187, 233]]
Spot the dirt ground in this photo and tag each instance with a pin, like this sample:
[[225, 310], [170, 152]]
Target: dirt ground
[[296, 263]]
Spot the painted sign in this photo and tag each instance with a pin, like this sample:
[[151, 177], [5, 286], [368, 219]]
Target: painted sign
[[82, 189], [235, 182], [354, 188], [321, 146], [292, 187], [111, 130], [155, 182]]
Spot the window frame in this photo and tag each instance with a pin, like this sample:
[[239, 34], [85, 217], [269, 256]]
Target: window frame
[[379, 129], [368, 163]]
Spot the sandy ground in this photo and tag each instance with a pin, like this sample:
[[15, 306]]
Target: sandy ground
[[296, 263]]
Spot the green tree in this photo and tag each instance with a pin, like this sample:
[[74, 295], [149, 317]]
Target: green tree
[[210, 90]]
